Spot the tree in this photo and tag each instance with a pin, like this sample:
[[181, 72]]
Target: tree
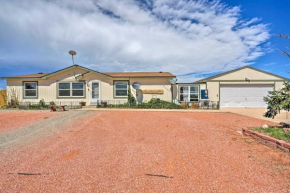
[[278, 100]]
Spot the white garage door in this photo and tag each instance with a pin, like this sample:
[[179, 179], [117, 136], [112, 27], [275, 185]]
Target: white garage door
[[243, 95]]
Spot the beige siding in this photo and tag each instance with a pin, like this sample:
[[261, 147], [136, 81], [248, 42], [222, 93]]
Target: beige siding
[[247, 73], [152, 84], [278, 85], [107, 87], [213, 90], [250, 83]]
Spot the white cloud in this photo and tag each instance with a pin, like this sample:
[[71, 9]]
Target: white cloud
[[162, 35]]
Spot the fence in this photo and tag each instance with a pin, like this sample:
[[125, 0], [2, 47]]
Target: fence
[[3, 98]]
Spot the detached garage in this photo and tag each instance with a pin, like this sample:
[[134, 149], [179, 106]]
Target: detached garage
[[242, 88]]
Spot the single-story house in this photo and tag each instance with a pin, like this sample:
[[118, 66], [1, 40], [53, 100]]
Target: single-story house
[[77, 83], [242, 87]]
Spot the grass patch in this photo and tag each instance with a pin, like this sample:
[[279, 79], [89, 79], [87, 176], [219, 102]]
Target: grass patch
[[275, 132]]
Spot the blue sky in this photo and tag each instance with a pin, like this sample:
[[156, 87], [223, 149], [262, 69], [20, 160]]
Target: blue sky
[[192, 39], [276, 14]]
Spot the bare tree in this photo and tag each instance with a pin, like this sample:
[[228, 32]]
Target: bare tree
[[287, 53]]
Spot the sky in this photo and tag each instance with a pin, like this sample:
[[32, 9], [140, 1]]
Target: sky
[[192, 39]]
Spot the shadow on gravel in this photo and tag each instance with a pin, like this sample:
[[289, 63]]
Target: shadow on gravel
[[156, 175], [28, 174]]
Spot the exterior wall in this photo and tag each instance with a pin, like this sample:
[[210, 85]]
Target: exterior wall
[[247, 73], [152, 84], [47, 88], [107, 87], [278, 85], [213, 90]]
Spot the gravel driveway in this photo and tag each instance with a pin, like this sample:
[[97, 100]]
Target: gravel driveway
[[118, 151]]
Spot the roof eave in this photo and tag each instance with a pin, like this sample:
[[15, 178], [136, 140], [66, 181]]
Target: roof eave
[[5, 78], [143, 76]]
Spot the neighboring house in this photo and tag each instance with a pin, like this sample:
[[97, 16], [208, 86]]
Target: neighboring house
[[243, 87]]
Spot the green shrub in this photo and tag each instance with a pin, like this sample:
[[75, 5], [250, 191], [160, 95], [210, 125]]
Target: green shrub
[[152, 104], [42, 103], [131, 98]]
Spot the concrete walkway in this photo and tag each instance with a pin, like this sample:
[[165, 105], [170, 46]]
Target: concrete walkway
[[258, 113]]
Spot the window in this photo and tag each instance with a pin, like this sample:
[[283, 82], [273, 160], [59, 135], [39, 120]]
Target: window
[[189, 93], [30, 89], [121, 89], [71, 89], [63, 89], [78, 89]]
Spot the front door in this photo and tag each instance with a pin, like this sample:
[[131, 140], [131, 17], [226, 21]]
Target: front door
[[95, 92]]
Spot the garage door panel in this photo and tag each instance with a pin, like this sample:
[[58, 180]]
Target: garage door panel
[[244, 95]]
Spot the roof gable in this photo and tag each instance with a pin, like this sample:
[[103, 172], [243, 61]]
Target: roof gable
[[71, 67], [243, 73]]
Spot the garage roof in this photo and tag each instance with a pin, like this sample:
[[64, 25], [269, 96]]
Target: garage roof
[[228, 72]]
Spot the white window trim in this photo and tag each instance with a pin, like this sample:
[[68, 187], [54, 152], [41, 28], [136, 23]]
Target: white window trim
[[189, 92], [71, 89], [36, 89], [115, 90]]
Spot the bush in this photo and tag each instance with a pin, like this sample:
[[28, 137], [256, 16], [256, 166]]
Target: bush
[[278, 100], [152, 104], [131, 98]]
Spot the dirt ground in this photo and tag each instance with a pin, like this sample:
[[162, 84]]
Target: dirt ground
[[10, 120], [119, 151]]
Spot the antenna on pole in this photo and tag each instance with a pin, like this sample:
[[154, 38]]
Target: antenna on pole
[[72, 53]]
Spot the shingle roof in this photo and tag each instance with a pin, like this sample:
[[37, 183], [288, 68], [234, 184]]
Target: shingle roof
[[139, 74], [39, 75], [112, 74]]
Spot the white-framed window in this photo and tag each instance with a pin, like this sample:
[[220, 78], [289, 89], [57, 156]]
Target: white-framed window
[[71, 89], [30, 89], [121, 88], [189, 93]]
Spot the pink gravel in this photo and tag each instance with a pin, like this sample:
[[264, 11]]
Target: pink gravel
[[131, 151], [15, 119]]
